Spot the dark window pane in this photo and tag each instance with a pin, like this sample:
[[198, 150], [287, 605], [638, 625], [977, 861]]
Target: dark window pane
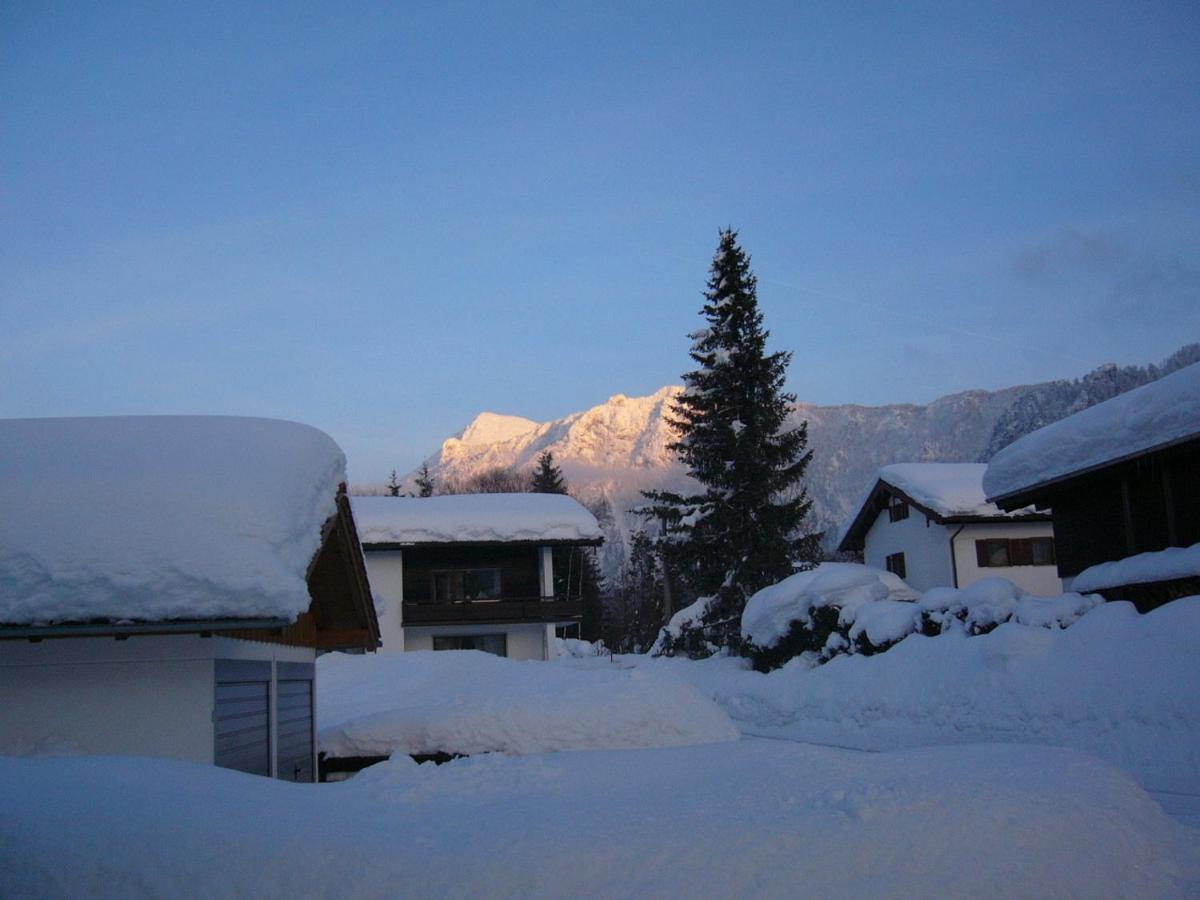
[[1043, 551]]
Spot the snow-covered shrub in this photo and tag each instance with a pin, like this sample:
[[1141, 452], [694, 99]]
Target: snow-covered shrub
[[841, 608], [695, 631], [990, 602], [816, 614]]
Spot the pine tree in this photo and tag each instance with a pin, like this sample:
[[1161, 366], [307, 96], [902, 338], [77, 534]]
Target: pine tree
[[393, 485], [424, 481], [743, 532], [547, 477]]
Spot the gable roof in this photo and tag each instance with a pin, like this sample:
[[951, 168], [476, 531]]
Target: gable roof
[[948, 493], [385, 522], [199, 522], [1147, 419]]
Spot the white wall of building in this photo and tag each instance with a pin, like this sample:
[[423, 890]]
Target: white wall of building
[[144, 696], [924, 543], [385, 571], [1040, 580]]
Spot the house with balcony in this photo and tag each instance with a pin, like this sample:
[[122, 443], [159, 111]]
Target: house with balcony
[[930, 524], [1123, 480], [491, 572]]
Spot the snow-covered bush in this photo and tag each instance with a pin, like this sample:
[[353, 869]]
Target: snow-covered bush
[[834, 608], [686, 634], [841, 608], [989, 602]]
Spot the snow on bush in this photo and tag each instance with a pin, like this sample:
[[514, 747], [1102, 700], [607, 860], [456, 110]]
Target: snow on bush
[[849, 608], [752, 818], [471, 702], [684, 633]]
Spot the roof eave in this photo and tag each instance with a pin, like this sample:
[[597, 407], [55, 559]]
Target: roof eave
[[127, 629]]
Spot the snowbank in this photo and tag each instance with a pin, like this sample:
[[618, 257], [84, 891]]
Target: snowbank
[[1161, 565], [1150, 416], [689, 617], [473, 518], [160, 517], [750, 818], [472, 702], [1123, 686], [849, 587]]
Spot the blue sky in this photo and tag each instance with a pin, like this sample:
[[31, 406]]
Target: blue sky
[[382, 220]]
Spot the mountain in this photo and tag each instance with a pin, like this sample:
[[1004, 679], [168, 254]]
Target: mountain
[[612, 452]]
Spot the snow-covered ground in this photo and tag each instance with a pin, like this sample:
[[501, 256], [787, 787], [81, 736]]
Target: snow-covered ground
[[466, 701], [752, 818], [925, 770]]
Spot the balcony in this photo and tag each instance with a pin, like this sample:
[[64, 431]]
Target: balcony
[[502, 611]]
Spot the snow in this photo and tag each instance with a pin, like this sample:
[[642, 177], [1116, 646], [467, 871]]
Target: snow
[[688, 617], [1147, 417], [849, 587], [473, 518], [471, 702], [750, 818], [1121, 686], [993, 601], [155, 518], [1159, 565], [490, 428]]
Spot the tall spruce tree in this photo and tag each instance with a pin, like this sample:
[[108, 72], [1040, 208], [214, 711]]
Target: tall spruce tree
[[393, 485], [547, 477], [744, 530]]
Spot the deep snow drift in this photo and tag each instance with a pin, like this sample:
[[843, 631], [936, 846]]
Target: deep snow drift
[[466, 701], [749, 818], [160, 517], [1123, 686]]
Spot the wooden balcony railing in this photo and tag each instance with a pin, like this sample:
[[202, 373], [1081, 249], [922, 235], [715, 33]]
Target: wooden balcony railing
[[505, 610]]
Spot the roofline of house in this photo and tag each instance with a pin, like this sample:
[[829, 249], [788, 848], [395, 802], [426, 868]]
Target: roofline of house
[[369, 546], [1026, 496], [127, 629], [855, 537]]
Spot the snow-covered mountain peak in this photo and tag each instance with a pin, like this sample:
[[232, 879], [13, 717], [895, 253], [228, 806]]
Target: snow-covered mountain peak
[[491, 428]]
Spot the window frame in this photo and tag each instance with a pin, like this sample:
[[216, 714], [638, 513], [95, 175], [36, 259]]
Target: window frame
[[896, 564], [457, 583]]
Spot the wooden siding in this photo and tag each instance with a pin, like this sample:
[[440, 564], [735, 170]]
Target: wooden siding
[[1148, 504]]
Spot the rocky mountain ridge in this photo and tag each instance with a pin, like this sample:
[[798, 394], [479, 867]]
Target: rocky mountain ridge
[[612, 452]]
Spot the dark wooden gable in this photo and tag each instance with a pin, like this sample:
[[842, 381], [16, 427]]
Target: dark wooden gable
[[341, 614]]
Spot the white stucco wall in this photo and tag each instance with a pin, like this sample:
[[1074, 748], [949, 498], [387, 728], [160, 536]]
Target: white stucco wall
[[385, 571], [1041, 580], [144, 696], [925, 545], [525, 641]]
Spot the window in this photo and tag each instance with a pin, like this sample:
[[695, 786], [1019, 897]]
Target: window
[[466, 584], [895, 564], [999, 552], [897, 509], [496, 644]]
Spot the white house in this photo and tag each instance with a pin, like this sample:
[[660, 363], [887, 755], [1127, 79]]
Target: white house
[[930, 524], [165, 583], [491, 572]]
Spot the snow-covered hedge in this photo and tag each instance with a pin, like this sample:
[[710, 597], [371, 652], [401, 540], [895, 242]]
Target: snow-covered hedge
[[841, 608]]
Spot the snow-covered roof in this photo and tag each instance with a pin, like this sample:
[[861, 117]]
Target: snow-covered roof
[[1152, 416], [158, 518], [474, 518], [947, 491]]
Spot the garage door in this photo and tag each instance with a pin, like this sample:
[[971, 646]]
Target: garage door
[[241, 716], [294, 718]]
